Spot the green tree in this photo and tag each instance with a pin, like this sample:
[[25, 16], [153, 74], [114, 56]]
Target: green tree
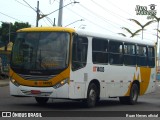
[[8, 30], [142, 26]]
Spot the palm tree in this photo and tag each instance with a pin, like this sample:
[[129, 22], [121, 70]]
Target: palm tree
[[132, 33], [156, 35], [122, 34], [142, 26], [158, 30], [157, 19]]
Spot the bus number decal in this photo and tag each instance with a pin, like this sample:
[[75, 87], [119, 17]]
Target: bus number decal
[[98, 69]]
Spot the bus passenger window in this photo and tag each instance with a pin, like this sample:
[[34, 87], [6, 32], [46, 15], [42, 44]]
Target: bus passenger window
[[151, 57], [79, 52], [141, 55], [129, 54], [100, 51], [115, 52]]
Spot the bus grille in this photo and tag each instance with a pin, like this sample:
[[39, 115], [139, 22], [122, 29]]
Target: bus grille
[[41, 94], [36, 77]]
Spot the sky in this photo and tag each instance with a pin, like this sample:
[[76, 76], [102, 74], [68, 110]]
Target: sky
[[100, 16]]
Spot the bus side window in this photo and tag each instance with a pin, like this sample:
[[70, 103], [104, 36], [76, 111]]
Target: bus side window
[[141, 55], [99, 51], [129, 54], [151, 57], [115, 52], [79, 52]]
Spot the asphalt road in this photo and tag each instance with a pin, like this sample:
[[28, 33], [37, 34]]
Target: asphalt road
[[110, 107]]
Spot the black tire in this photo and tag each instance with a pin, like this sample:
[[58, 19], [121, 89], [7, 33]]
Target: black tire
[[92, 95], [134, 94], [123, 100], [41, 100], [132, 99]]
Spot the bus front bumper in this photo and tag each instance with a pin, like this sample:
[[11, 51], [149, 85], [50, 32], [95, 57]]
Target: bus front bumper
[[61, 92]]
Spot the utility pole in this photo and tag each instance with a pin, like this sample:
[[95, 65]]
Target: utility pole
[[54, 24], [60, 13], [74, 22], [38, 15]]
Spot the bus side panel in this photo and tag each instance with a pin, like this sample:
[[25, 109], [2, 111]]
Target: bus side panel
[[77, 86], [149, 82], [116, 79], [146, 78]]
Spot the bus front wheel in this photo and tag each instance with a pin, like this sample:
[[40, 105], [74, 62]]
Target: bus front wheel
[[41, 100], [92, 95]]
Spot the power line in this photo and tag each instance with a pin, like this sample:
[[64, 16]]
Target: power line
[[90, 20], [10, 17], [62, 7], [30, 6], [125, 20], [96, 24], [114, 14], [100, 17], [47, 18], [116, 25], [40, 16], [119, 8], [51, 2], [45, 22], [22, 4]]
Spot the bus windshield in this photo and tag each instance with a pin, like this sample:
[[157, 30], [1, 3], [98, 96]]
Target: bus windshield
[[36, 52]]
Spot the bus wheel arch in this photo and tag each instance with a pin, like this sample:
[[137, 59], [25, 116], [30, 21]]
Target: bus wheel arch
[[93, 93]]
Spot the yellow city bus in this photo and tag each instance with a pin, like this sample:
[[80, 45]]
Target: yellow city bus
[[63, 63]]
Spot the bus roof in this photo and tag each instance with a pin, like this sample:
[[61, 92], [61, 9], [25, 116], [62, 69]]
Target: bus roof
[[117, 38], [36, 29], [91, 34]]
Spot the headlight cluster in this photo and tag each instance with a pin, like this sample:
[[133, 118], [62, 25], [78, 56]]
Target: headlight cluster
[[14, 82], [61, 83]]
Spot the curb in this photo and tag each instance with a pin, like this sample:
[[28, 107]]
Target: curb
[[2, 85], [4, 82]]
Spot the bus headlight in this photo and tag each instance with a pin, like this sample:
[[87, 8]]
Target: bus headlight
[[14, 82], [61, 83]]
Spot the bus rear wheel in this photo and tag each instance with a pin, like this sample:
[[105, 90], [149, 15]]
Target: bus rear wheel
[[132, 99], [41, 100], [92, 95]]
